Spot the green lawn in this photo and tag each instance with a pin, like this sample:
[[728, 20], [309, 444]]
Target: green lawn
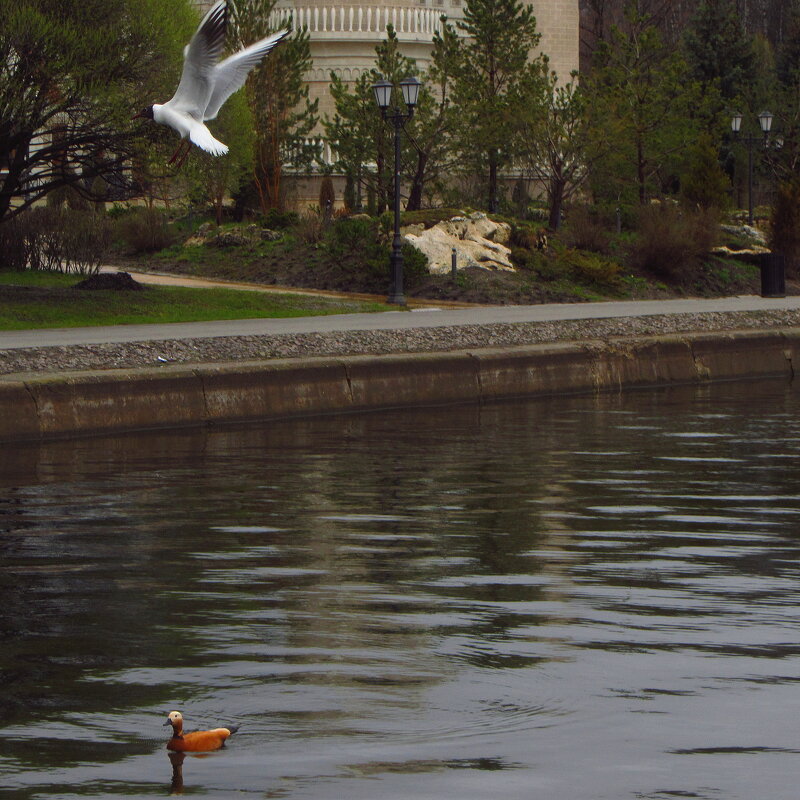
[[47, 300]]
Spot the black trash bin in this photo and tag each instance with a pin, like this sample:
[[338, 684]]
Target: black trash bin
[[773, 275]]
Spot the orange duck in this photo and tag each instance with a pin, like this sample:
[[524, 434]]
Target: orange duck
[[196, 741]]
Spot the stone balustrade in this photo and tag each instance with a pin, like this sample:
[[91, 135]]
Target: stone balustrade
[[406, 21]]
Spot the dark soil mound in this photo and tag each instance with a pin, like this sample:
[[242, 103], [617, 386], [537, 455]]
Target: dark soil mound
[[117, 281]]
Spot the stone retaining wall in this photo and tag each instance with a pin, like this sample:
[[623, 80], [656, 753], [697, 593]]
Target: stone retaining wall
[[69, 404]]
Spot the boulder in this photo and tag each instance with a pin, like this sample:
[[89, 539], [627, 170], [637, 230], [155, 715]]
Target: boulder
[[479, 225], [746, 232], [116, 281], [228, 239], [477, 240]]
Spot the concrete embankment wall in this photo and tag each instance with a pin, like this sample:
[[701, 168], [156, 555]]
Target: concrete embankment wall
[[57, 405]]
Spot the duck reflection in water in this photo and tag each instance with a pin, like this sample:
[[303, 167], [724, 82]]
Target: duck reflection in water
[[176, 759]]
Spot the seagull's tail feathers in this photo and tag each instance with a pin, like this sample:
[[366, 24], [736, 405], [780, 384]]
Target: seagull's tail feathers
[[201, 136]]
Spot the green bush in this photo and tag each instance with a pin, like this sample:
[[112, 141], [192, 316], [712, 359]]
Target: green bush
[[280, 220], [704, 184], [580, 267], [522, 257], [523, 236], [358, 249], [593, 268], [145, 230]]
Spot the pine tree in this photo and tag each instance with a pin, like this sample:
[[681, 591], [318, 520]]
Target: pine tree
[[278, 96], [649, 107], [357, 136], [495, 58], [785, 161], [717, 48], [704, 184], [363, 137], [558, 142]]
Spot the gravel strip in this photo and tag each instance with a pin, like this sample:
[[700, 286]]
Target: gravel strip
[[422, 340]]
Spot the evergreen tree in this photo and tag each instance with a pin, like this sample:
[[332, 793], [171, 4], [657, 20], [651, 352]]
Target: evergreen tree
[[785, 160], [558, 142], [494, 60], [649, 108], [278, 95], [358, 137], [362, 137], [718, 51], [704, 184], [788, 61], [435, 121]]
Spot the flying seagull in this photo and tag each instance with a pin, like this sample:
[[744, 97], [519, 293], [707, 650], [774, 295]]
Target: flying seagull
[[205, 84]]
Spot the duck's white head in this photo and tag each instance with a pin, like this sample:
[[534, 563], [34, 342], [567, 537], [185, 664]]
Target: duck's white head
[[175, 718]]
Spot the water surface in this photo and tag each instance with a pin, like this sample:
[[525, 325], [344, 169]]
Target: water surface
[[581, 598]]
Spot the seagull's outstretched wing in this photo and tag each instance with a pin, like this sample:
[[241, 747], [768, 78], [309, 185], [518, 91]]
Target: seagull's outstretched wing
[[230, 74], [199, 59]]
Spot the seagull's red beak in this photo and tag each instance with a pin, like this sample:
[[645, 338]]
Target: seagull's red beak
[[138, 116]]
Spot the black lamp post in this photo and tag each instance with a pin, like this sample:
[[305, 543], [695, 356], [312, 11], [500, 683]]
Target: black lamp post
[[383, 97], [765, 121]]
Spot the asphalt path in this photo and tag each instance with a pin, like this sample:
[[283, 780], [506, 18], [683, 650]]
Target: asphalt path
[[431, 317]]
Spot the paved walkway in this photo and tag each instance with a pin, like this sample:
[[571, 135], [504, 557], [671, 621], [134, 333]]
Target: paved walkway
[[391, 320]]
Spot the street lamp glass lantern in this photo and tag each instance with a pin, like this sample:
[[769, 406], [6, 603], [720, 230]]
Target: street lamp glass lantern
[[736, 122], [765, 120], [383, 94], [410, 89]]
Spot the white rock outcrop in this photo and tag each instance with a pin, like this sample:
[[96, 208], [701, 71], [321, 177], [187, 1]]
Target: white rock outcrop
[[477, 240]]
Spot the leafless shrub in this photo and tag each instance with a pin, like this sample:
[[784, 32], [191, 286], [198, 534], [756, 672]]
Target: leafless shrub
[[585, 230], [55, 239], [310, 227], [13, 248], [670, 243]]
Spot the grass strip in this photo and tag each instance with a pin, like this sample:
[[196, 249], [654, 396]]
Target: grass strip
[[48, 300]]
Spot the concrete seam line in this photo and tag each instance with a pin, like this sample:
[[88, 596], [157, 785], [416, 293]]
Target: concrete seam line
[[789, 351], [198, 373], [32, 395], [349, 378], [701, 372], [476, 363]]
